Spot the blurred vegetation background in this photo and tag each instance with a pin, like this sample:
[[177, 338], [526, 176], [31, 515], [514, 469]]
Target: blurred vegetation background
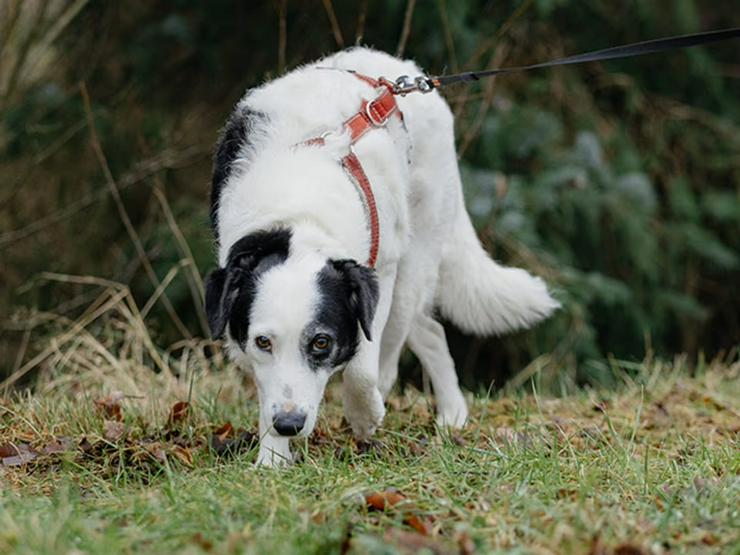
[[619, 183]]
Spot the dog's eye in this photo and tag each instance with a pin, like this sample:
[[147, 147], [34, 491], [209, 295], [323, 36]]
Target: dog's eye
[[263, 343], [321, 344]]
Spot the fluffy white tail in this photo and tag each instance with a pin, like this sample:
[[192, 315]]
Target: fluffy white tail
[[482, 297]]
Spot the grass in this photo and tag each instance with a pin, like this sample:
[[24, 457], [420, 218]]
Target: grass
[[651, 467]]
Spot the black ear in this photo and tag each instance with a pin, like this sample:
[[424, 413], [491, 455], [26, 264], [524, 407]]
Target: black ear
[[229, 290], [222, 290], [363, 298]]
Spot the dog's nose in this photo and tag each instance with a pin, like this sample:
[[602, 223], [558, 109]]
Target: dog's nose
[[288, 423]]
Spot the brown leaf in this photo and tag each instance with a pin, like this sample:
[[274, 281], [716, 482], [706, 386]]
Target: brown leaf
[[110, 406], [226, 441], [113, 430], [465, 542], [380, 501], [199, 540], [183, 455], [19, 460], [17, 454], [11, 449], [225, 431], [408, 542], [156, 450], [60, 445], [178, 412], [424, 527], [629, 549]]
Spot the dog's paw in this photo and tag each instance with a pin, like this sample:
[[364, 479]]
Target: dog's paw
[[364, 417], [452, 413]]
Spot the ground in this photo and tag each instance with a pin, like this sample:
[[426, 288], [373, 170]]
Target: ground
[[652, 466]]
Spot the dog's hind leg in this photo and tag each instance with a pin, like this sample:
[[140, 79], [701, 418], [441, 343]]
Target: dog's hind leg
[[407, 298], [427, 340]]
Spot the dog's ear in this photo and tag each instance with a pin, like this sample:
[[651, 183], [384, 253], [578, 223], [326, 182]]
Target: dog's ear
[[231, 289], [363, 298], [222, 289]]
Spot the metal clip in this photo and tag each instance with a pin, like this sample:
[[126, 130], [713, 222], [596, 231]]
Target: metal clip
[[405, 84], [424, 84]]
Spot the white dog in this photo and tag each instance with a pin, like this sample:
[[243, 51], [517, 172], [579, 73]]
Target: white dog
[[324, 267]]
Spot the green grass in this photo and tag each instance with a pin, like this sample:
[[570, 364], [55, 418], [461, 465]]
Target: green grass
[[653, 466]]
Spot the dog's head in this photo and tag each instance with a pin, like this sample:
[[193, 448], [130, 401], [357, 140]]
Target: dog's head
[[293, 319]]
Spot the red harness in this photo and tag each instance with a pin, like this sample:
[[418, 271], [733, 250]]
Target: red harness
[[372, 115]]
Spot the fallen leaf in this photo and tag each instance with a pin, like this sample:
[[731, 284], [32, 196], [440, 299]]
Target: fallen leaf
[[465, 542], [60, 445], [113, 430], [16, 454], [183, 455], [156, 450], [629, 549], [178, 412], [9, 450], [424, 527], [19, 460], [224, 431], [202, 542], [408, 542], [110, 406], [226, 441], [380, 501], [346, 540]]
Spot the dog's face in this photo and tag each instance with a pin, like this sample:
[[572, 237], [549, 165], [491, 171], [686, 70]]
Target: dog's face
[[293, 319]]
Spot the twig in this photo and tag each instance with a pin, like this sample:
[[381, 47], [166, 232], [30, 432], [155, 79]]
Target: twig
[[40, 158], [282, 34], [78, 326], [95, 141], [22, 350], [484, 106], [162, 161], [448, 36], [23, 50], [361, 18], [195, 282], [461, 102], [329, 7], [406, 30], [163, 286]]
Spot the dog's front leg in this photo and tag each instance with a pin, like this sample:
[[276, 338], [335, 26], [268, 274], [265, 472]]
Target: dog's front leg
[[274, 451], [363, 402]]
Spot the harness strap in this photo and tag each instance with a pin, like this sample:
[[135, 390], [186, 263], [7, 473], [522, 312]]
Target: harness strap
[[373, 114], [351, 164]]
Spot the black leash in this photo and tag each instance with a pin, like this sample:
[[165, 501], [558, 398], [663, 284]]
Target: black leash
[[406, 84]]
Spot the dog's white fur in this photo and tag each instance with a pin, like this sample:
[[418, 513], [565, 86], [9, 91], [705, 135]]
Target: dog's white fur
[[429, 258]]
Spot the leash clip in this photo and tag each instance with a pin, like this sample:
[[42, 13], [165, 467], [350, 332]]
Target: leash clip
[[405, 84]]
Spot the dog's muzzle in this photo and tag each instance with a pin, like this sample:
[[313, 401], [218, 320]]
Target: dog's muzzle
[[289, 423]]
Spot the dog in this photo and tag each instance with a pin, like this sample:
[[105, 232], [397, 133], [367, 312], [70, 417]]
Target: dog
[[326, 268]]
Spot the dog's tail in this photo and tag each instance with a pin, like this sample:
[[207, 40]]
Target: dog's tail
[[482, 297]]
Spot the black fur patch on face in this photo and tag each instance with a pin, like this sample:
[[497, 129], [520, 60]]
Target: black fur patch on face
[[348, 294], [230, 290], [234, 136]]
